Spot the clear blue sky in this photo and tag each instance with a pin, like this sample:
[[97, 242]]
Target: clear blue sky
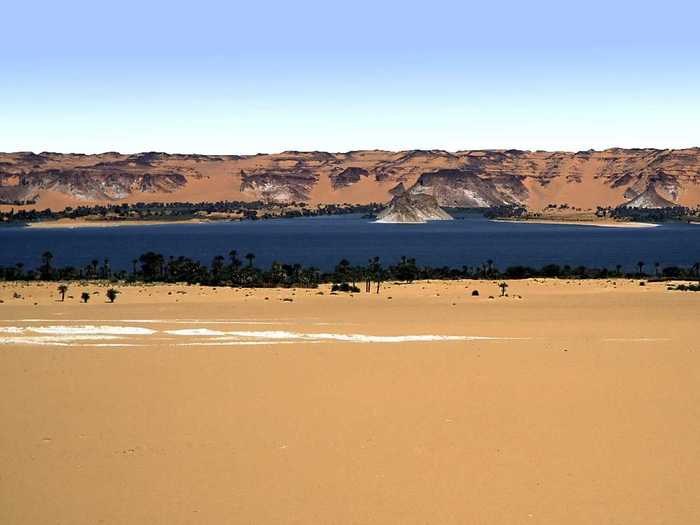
[[261, 76]]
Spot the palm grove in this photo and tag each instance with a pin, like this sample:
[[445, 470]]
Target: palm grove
[[239, 270]]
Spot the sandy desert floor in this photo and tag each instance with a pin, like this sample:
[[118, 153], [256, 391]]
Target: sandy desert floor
[[566, 402]]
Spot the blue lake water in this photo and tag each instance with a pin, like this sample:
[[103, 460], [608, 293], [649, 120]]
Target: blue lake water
[[323, 241]]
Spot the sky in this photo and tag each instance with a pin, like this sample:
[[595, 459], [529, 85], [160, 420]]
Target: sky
[[266, 76]]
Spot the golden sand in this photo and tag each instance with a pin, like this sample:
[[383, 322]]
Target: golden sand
[[582, 407]]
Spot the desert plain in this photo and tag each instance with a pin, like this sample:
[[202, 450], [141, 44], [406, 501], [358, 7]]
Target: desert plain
[[571, 402]]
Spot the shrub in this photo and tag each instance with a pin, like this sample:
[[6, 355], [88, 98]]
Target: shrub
[[345, 287]]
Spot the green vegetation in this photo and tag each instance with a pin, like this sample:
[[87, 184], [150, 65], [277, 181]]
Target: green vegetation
[[180, 211], [619, 213], [152, 267]]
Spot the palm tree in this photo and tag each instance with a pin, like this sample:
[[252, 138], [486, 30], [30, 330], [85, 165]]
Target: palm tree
[[133, 266], [106, 269], [217, 266], [62, 289], [368, 277], [503, 286], [343, 270], [85, 296], [235, 261], [641, 267], [251, 258], [45, 269], [618, 269], [656, 268], [112, 294], [376, 270]]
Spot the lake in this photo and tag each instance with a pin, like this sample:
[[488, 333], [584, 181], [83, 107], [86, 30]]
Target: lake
[[323, 241]]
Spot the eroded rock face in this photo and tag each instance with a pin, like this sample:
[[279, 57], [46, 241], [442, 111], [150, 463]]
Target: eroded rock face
[[463, 178], [348, 177], [279, 187], [466, 189], [413, 208], [649, 199]]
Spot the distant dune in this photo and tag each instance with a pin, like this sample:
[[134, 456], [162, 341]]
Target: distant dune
[[464, 179]]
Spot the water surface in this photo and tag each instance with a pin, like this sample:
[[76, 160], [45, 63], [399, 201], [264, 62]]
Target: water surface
[[322, 241]]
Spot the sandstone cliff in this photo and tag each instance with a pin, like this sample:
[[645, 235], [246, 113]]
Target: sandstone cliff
[[465, 178]]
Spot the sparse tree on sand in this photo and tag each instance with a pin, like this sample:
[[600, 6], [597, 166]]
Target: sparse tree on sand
[[112, 294], [251, 258], [503, 286], [640, 264], [85, 296], [62, 289]]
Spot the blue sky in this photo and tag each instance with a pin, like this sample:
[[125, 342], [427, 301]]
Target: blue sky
[[248, 77]]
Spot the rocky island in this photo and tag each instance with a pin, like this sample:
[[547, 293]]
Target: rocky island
[[413, 208]]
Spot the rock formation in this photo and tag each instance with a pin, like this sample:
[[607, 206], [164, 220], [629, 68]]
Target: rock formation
[[585, 179], [649, 198], [413, 208]]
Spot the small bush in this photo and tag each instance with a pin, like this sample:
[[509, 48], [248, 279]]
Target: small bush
[[112, 294], [345, 287], [475, 293]]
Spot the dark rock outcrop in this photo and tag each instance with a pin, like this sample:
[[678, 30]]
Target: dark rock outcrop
[[347, 177]]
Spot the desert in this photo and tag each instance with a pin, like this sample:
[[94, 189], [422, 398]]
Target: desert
[[564, 401]]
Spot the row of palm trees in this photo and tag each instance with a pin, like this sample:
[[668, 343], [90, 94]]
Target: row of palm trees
[[235, 270]]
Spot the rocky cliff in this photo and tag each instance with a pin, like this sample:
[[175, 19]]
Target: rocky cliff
[[465, 178], [413, 208], [649, 199]]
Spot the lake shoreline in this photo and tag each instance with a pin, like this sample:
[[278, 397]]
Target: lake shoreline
[[618, 224]]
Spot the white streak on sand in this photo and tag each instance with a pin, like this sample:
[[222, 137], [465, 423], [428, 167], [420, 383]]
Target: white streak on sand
[[159, 321], [11, 330], [53, 340], [276, 335], [195, 332], [92, 330]]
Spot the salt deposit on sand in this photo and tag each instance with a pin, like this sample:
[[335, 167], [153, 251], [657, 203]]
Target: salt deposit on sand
[[89, 329]]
